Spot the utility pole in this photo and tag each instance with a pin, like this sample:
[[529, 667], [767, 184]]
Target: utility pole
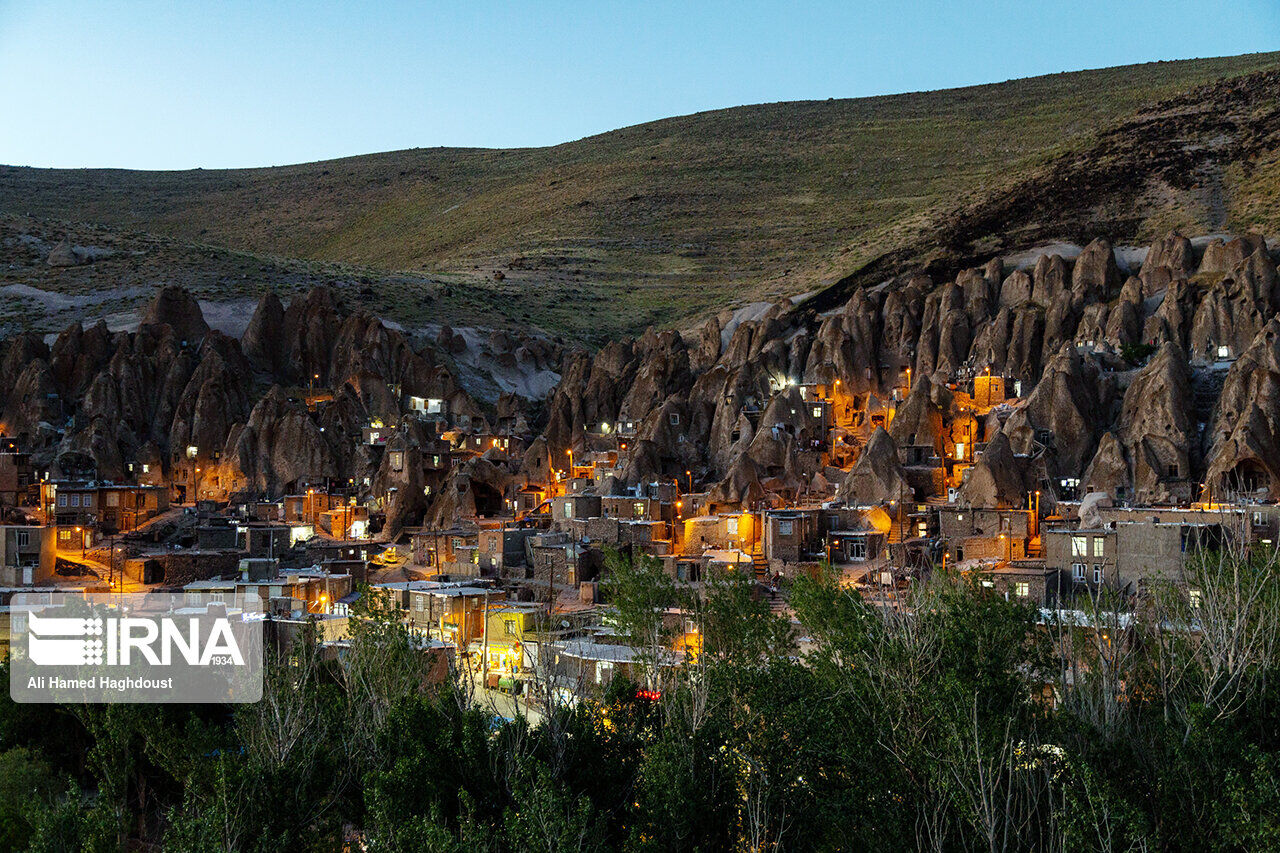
[[484, 643]]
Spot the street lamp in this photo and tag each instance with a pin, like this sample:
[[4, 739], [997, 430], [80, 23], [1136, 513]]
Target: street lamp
[[689, 474], [908, 380]]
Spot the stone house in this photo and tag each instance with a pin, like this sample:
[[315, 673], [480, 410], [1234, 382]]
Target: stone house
[[970, 533], [29, 554]]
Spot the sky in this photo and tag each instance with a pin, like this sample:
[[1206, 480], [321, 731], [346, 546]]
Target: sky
[[176, 85]]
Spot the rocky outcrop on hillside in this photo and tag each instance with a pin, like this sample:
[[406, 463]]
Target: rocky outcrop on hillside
[[1244, 434], [210, 410], [877, 477], [1072, 333]]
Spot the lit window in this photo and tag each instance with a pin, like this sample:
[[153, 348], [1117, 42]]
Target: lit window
[[817, 411], [568, 509], [1079, 546], [1022, 589], [732, 526], [1099, 546], [1224, 352], [1193, 595]]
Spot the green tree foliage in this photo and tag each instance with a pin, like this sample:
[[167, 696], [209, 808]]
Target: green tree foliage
[[957, 721]]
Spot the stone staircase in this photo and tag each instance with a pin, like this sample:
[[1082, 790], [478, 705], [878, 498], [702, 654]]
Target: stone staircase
[[759, 565], [760, 568]]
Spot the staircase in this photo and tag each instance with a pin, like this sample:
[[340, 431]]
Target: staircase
[[760, 568], [899, 528], [759, 565]]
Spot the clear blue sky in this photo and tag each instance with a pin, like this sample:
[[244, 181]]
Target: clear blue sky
[[161, 85]]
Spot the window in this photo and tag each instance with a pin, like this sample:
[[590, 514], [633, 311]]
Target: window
[[1079, 546], [1193, 596], [113, 499], [397, 460], [732, 526], [784, 528], [64, 535], [1099, 546], [1257, 519], [675, 419], [638, 508], [817, 411], [568, 509], [1077, 572], [1022, 589], [146, 469], [1224, 352], [24, 538], [75, 500], [959, 449], [858, 550], [509, 625], [62, 500], [1097, 572]]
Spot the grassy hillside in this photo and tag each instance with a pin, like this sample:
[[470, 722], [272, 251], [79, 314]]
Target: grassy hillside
[[655, 223]]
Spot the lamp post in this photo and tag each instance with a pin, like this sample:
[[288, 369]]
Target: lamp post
[[80, 536], [908, 381], [689, 474]]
